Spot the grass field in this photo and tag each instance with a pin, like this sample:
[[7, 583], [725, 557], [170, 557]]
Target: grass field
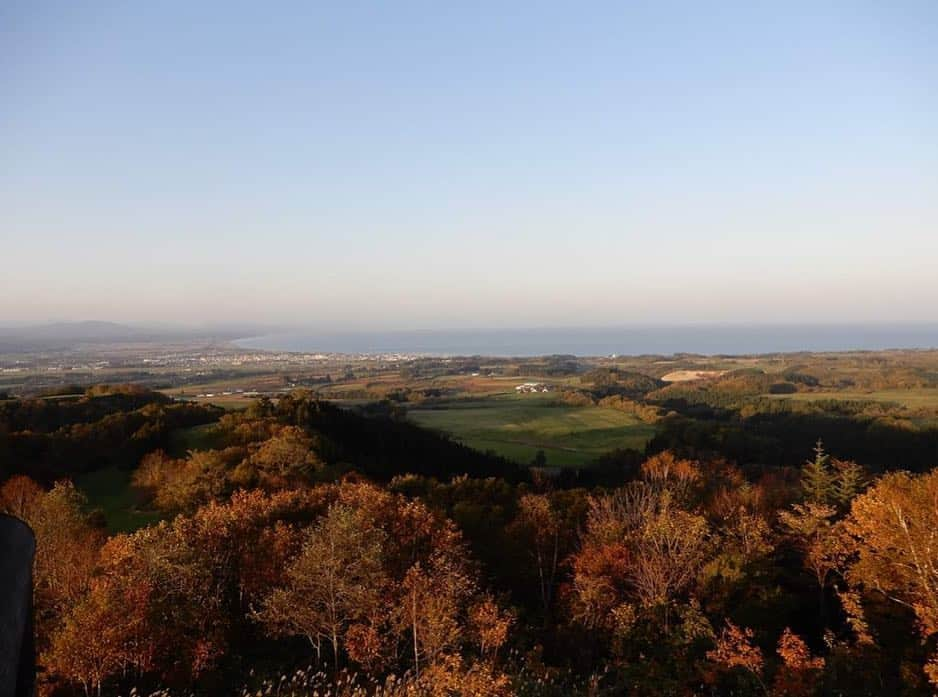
[[517, 427], [182, 440], [109, 489]]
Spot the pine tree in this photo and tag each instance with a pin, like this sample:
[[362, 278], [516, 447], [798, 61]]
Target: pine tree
[[849, 480], [817, 480]]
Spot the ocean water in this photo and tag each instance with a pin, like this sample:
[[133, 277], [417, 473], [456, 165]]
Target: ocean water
[[700, 339]]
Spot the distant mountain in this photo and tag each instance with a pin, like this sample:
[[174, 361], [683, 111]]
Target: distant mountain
[[73, 331]]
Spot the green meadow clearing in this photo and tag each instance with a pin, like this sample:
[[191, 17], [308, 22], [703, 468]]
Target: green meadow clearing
[[109, 490], [517, 426], [182, 440]]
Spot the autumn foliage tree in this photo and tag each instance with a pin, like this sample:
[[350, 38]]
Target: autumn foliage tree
[[19, 496], [820, 540], [799, 672], [489, 625], [736, 652], [893, 533], [430, 607], [336, 580], [285, 459], [667, 471], [638, 547], [546, 526], [175, 595], [106, 632]]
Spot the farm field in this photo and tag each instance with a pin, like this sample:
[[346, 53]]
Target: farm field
[[516, 427], [685, 375]]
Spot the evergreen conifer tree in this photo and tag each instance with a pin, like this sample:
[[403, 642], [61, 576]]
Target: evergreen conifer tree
[[849, 480], [817, 480]]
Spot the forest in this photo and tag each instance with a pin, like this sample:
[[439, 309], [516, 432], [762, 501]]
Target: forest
[[302, 547]]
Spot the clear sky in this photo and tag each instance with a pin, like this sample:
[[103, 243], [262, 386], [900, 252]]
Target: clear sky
[[440, 164]]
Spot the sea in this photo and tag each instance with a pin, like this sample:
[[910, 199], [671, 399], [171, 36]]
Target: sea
[[708, 339]]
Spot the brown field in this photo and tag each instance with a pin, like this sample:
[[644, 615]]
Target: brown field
[[686, 375]]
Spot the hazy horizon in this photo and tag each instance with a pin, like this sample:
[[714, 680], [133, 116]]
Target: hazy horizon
[[415, 166], [286, 327], [635, 340]]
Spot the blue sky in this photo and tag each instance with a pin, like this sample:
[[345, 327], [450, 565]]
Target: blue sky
[[411, 165]]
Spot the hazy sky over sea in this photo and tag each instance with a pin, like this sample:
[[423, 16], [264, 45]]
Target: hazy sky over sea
[[407, 165]]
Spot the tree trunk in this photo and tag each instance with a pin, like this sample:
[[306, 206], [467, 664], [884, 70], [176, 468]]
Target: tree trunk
[[335, 650], [416, 649], [822, 605]]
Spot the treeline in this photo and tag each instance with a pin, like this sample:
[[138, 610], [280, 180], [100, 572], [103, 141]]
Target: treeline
[[778, 433], [44, 415], [616, 381], [614, 388], [732, 388], [48, 439], [109, 426]]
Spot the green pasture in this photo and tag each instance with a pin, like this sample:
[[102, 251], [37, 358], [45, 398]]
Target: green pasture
[[517, 426], [110, 491], [182, 440]]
